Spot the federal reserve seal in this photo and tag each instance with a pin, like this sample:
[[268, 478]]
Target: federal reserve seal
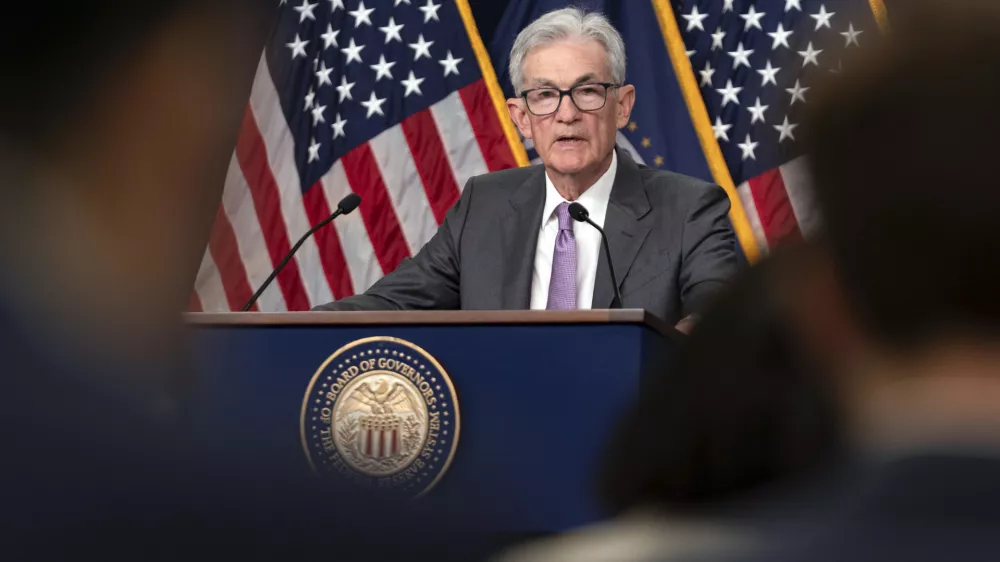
[[382, 412]]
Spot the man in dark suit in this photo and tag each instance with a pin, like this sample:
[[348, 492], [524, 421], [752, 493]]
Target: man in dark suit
[[509, 242]]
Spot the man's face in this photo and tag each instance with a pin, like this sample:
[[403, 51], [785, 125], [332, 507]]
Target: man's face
[[571, 141]]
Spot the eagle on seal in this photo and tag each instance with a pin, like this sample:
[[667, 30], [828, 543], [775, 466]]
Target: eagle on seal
[[384, 399]]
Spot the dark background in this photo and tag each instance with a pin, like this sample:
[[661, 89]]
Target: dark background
[[488, 14]]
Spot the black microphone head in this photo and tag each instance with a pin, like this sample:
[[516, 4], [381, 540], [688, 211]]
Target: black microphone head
[[578, 212], [349, 203]]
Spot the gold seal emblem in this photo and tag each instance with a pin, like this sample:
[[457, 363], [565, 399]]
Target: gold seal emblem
[[383, 412]]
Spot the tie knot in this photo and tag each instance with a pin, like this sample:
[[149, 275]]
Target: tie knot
[[565, 221]]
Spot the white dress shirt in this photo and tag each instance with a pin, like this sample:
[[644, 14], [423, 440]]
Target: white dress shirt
[[588, 240]]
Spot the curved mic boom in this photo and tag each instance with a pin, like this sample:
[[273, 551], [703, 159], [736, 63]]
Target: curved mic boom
[[344, 207], [581, 214]]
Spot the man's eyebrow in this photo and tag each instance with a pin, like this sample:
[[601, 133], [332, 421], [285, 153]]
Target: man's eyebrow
[[546, 83]]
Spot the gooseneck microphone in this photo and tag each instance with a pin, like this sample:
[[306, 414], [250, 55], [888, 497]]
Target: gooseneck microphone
[[581, 214], [346, 205]]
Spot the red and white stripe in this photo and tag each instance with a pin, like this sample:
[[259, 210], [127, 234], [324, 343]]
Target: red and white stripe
[[779, 204], [408, 177]]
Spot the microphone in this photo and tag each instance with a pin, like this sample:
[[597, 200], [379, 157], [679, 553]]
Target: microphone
[[346, 205], [581, 214]]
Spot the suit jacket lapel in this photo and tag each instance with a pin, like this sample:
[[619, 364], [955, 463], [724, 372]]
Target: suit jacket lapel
[[518, 237], [624, 227]]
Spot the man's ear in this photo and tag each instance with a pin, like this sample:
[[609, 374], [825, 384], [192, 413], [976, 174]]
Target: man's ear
[[626, 101], [520, 117]]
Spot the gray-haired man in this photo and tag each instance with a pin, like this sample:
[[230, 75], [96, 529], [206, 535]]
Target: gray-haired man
[[509, 242]]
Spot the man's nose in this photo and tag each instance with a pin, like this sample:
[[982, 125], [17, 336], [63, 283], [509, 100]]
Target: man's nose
[[567, 112]]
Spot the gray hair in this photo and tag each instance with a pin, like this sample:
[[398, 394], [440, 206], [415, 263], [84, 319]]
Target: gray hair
[[568, 23]]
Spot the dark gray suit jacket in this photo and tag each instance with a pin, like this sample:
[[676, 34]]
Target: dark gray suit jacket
[[671, 242]]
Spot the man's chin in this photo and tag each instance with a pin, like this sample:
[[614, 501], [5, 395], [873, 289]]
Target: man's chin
[[568, 164]]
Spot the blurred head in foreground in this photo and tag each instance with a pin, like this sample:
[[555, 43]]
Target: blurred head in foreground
[[117, 120], [902, 155], [741, 407], [116, 125], [899, 150]]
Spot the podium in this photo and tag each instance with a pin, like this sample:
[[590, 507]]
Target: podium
[[539, 393]]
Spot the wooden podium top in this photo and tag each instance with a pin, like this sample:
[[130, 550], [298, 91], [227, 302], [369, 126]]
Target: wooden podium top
[[616, 316]]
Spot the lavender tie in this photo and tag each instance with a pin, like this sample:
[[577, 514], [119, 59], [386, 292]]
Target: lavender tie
[[562, 285]]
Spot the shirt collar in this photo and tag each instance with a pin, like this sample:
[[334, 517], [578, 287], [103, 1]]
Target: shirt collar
[[595, 198]]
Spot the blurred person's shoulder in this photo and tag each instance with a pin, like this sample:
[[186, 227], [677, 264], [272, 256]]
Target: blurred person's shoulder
[[639, 536], [929, 505], [59, 404]]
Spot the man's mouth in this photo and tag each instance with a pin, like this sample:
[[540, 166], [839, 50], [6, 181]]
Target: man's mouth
[[569, 139]]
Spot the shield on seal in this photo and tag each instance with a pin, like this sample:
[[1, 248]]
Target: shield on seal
[[379, 436]]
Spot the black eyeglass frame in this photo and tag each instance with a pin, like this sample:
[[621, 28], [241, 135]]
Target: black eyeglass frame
[[569, 92]]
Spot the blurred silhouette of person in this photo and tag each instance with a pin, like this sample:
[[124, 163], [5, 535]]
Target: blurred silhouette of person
[[117, 125], [739, 409], [900, 152], [117, 121], [114, 134]]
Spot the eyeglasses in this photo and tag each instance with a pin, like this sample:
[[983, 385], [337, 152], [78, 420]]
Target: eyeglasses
[[586, 97]]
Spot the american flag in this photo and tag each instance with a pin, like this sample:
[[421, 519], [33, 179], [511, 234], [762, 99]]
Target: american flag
[[394, 100], [755, 63]]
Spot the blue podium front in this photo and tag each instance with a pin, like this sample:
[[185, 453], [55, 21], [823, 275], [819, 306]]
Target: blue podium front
[[538, 394]]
